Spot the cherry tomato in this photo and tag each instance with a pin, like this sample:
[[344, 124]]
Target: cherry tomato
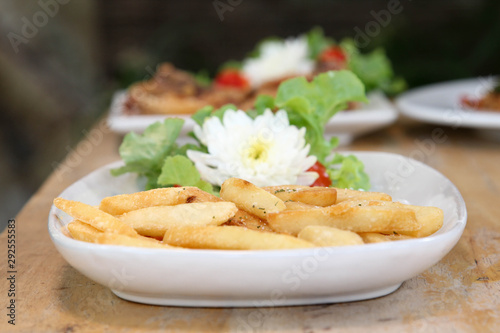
[[333, 53], [323, 179], [469, 102], [231, 78]]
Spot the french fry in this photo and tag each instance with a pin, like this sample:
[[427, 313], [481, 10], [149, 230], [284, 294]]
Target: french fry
[[317, 196], [251, 198], [247, 220], [123, 203], [241, 218], [82, 231], [191, 218], [429, 218], [85, 232], [154, 221], [327, 236], [117, 239], [295, 205], [272, 189], [356, 216], [349, 195], [375, 237], [231, 238], [98, 219]]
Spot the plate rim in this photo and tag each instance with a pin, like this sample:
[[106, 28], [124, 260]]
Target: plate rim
[[436, 114], [381, 116]]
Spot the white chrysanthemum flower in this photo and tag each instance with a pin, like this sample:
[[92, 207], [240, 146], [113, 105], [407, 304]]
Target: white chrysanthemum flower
[[265, 151], [277, 60]]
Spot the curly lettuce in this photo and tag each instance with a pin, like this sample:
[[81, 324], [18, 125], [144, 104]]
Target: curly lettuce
[[374, 68], [156, 155], [311, 105]]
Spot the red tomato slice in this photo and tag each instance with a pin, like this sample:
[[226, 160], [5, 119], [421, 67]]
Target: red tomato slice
[[333, 53], [231, 78], [323, 179]]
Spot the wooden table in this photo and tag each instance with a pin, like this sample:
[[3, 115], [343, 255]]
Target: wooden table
[[459, 294]]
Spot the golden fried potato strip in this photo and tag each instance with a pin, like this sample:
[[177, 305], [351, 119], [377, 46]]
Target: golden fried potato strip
[[344, 194], [374, 237], [327, 236], [295, 205], [231, 238], [82, 231], [154, 221], [241, 218], [85, 232], [247, 220], [251, 198], [123, 203], [317, 196], [356, 216], [429, 218], [98, 219], [117, 239]]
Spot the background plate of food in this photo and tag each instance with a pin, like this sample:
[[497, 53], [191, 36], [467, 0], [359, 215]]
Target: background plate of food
[[172, 92], [473, 103], [203, 277], [378, 113]]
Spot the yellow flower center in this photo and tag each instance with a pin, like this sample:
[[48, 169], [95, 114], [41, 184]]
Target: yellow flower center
[[257, 151]]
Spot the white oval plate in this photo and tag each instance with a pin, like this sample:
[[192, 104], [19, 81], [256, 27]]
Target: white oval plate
[[376, 114], [219, 278], [440, 104]]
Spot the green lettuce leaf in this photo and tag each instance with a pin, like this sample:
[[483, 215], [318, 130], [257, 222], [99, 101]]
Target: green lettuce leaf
[[317, 42], [262, 103], [209, 111], [202, 77], [200, 115], [179, 170], [230, 64], [374, 69], [146, 153], [156, 155], [347, 172], [312, 104]]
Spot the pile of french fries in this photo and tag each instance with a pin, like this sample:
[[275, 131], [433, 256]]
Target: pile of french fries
[[247, 217]]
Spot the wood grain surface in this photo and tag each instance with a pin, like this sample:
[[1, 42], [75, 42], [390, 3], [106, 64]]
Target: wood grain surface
[[459, 294]]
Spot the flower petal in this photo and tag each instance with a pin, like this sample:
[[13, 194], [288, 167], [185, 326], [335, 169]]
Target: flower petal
[[265, 150]]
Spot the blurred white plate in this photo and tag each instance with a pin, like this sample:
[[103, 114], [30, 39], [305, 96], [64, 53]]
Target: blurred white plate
[[378, 113], [440, 104], [221, 278]]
